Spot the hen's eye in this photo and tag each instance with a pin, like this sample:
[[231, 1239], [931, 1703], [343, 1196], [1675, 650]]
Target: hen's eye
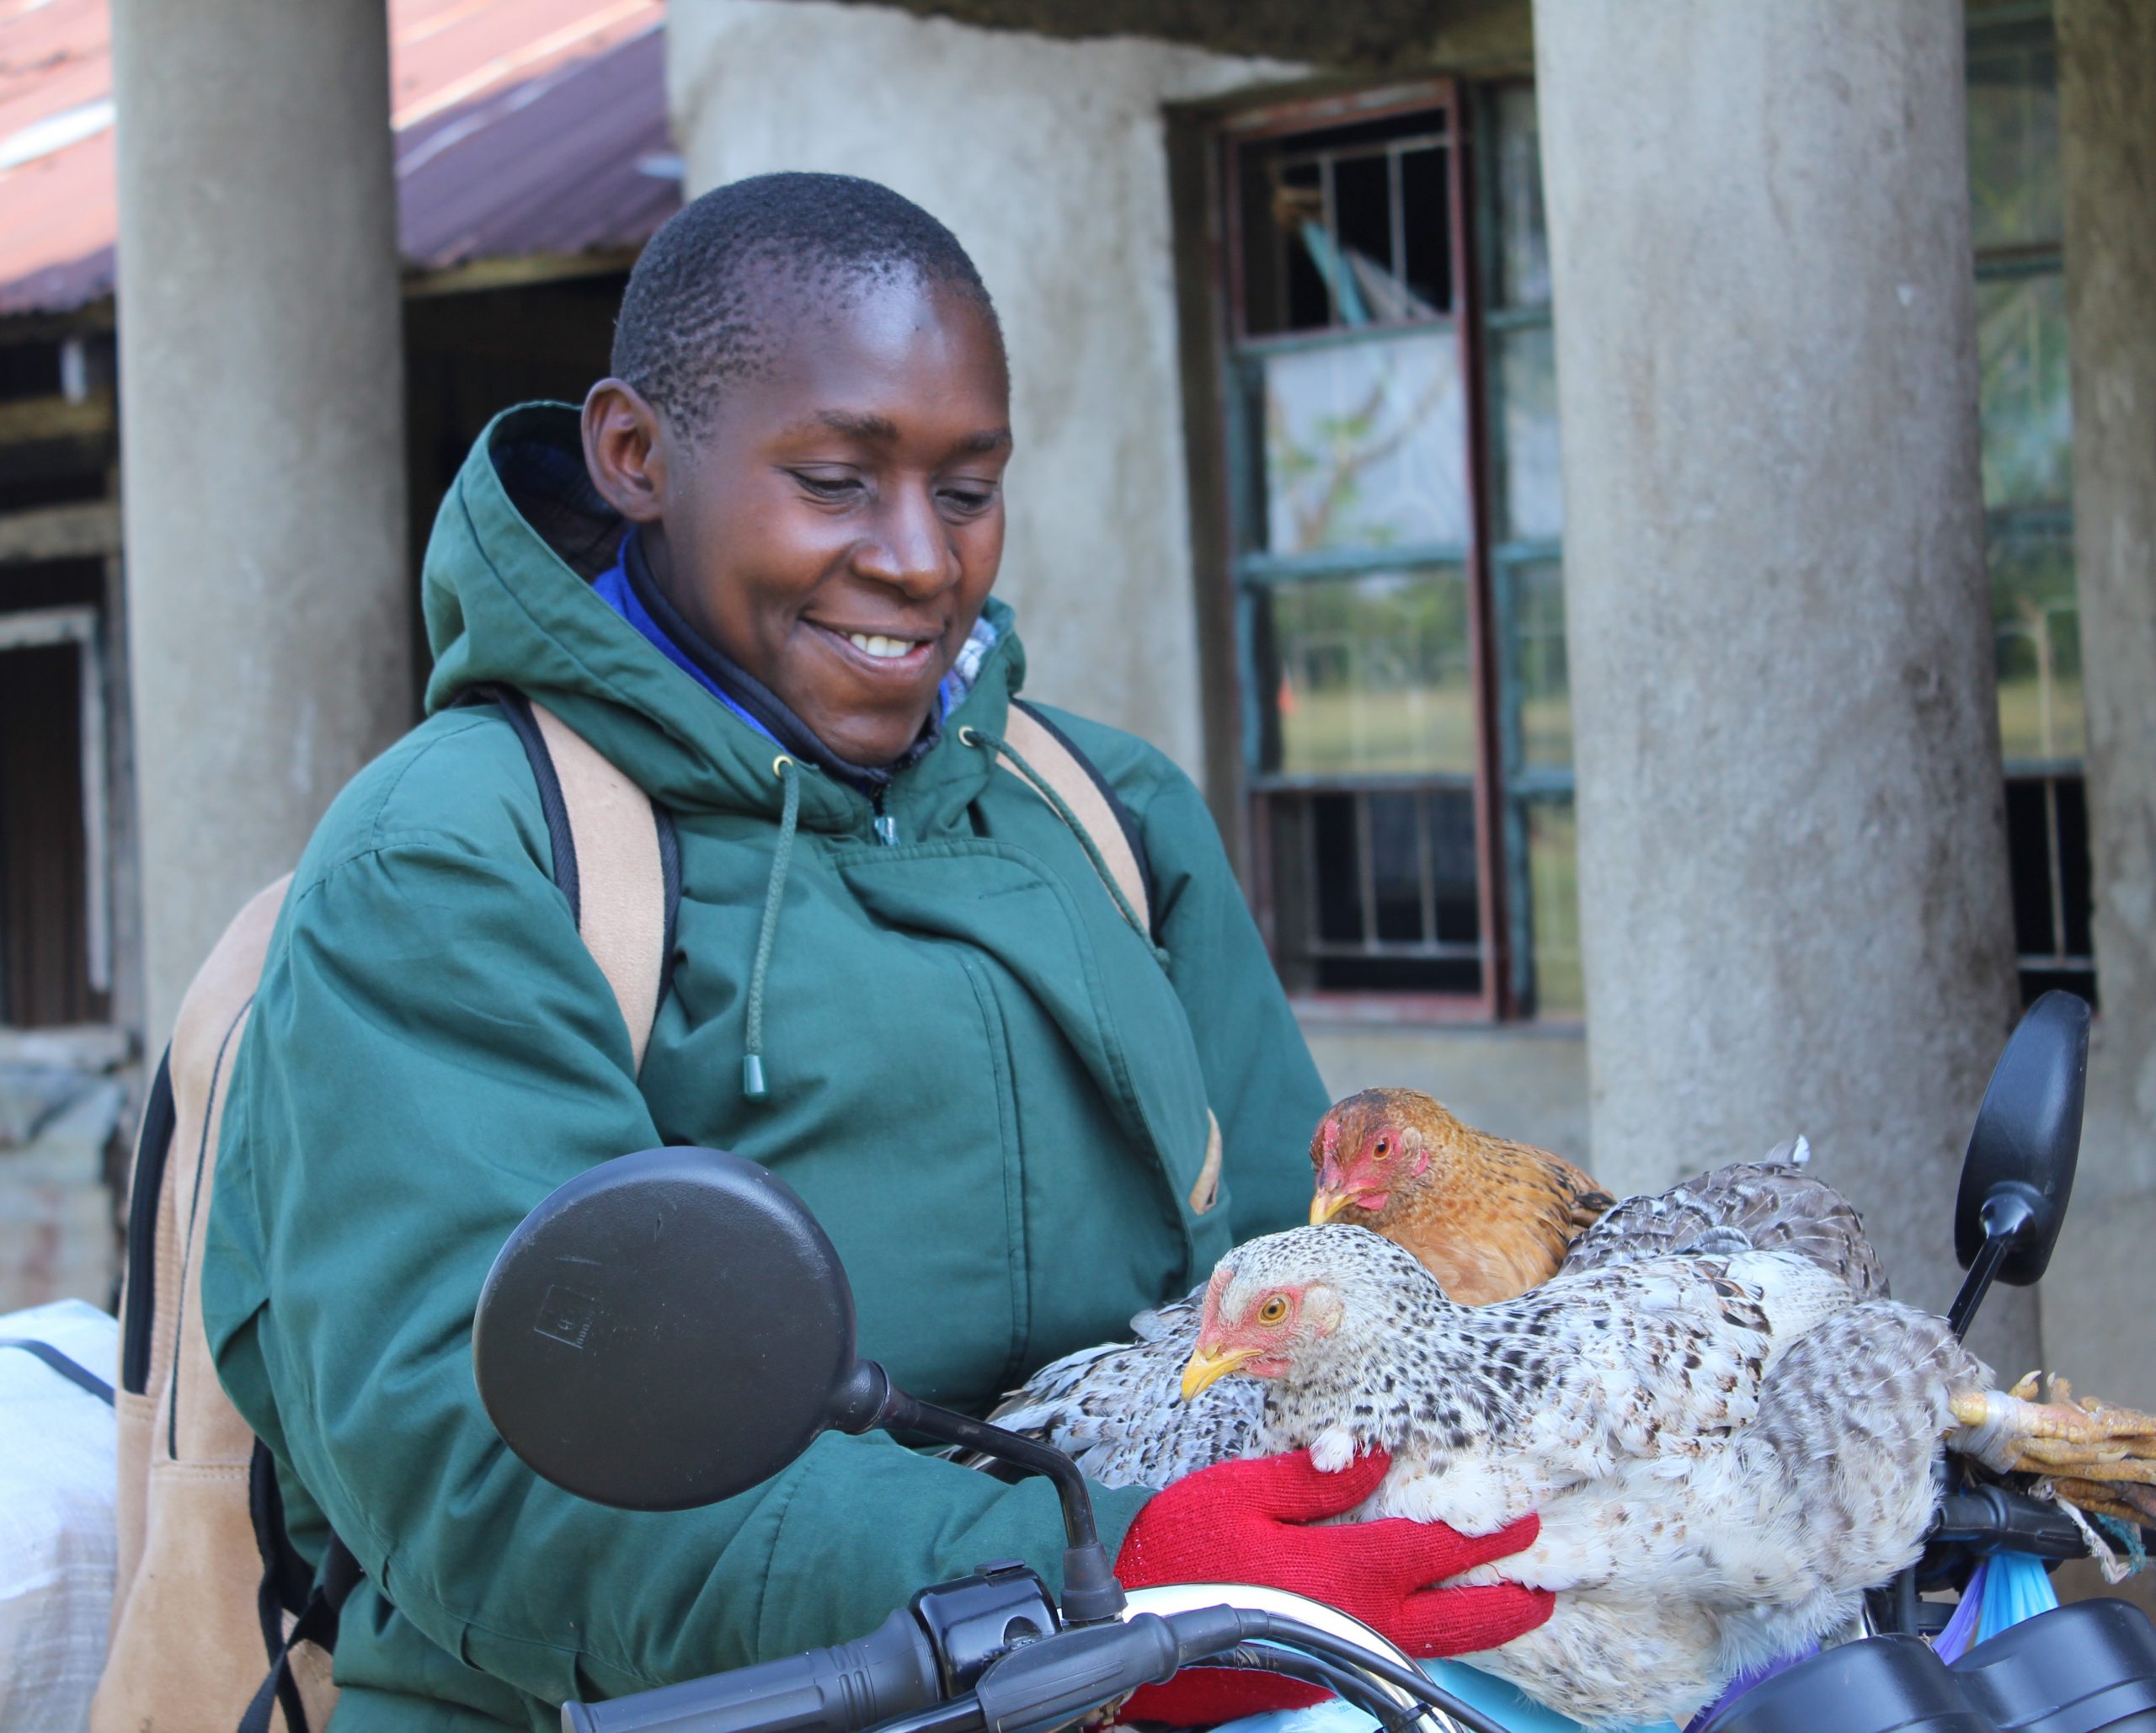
[[1383, 1149], [1274, 1311]]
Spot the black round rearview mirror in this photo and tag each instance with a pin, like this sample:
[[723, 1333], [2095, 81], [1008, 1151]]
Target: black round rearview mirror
[[668, 1329], [2019, 1172], [672, 1328]]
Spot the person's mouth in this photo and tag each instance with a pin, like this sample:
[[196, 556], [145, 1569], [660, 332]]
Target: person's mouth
[[884, 655]]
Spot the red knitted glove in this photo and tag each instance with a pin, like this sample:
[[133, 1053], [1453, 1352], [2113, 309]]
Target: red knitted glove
[[1250, 1522]]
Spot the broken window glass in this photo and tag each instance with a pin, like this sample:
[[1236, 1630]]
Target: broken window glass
[[1365, 445], [1347, 226]]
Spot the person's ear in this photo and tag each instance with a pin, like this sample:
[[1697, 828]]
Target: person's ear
[[625, 450]]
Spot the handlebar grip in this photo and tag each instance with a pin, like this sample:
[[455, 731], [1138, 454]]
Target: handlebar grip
[[842, 1689], [1989, 1518], [1041, 1686]]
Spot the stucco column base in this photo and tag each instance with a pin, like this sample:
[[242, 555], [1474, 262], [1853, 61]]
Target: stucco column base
[[1793, 881], [262, 445]]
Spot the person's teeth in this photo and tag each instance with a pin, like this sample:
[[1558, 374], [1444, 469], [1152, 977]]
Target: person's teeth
[[885, 649]]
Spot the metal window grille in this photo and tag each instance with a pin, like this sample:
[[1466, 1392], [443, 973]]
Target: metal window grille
[[1361, 590], [2028, 457]]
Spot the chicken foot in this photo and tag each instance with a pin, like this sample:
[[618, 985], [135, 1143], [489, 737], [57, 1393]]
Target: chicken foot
[[2127, 1502], [2072, 1439]]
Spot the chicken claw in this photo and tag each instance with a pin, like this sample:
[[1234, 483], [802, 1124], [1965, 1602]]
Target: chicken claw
[[2083, 1439], [2126, 1502]]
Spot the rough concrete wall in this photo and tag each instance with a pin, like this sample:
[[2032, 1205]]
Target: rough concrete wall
[[1362, 35], [1047, 160], [2095, 1306], [263, 446], [1793, 892]]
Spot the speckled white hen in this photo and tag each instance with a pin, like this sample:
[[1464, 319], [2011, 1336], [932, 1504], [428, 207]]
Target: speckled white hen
[[1114, 1407], [1724, 1450]]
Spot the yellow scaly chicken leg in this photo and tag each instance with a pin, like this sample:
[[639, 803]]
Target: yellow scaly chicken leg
[[2097, 1455]]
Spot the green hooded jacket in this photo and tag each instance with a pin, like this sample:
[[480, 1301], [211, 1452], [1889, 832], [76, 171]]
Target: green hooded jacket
[[987, 1085]]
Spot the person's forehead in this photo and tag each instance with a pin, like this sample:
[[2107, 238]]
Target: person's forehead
[[878, 429], [875, 366], [808, 306]]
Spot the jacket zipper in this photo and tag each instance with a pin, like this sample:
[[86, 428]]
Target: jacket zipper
[[887, 827]]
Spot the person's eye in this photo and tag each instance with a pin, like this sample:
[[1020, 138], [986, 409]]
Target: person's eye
[[968, 499], [829, 485]]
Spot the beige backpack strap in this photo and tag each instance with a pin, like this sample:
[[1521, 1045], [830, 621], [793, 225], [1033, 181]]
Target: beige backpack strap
[[620, 895], [1071, 777], [186, 1646]]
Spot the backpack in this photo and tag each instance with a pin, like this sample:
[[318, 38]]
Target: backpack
[[208, 1588]]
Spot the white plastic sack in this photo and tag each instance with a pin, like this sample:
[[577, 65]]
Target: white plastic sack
[[56, 1445]]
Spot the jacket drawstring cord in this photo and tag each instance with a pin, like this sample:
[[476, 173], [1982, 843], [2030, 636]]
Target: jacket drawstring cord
[[752, 1064], [971, 736]]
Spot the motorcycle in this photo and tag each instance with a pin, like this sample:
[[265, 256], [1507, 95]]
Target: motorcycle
[[684, 1256]]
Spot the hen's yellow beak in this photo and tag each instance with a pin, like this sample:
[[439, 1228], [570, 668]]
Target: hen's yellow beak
[[1208, 1366], [1325, 1205]]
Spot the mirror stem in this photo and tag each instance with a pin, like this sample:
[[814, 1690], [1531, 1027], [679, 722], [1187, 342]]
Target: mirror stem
[[2007, 1215], [902, 1413], [1091, 1593]]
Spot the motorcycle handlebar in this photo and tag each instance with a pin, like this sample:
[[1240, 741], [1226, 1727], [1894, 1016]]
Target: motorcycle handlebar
[[1987, 1519], [850, 1686], [892, 1677]]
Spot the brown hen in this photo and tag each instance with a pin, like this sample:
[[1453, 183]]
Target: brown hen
[[1490, 1219]]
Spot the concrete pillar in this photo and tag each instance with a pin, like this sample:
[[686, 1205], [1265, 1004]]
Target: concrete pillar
[[2107, 117], [262, 440], [1793, 882]]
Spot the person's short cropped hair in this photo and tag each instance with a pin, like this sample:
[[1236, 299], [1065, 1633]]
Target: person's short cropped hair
[[700, 304]]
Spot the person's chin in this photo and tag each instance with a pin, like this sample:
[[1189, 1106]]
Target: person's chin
[[861, 741]]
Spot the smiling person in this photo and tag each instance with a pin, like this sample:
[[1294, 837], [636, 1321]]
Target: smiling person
[[755, 573]]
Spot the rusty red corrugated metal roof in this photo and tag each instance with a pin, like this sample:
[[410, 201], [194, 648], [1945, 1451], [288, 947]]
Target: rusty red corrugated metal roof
[[523, 127]]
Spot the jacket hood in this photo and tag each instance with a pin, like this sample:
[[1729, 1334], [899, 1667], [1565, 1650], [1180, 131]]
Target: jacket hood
[[509, 602]]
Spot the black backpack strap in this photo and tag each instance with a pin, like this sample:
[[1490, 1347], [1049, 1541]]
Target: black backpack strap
[[670, 871], [561, 841], [139, 1303], [80, 1376], [289, 1585]]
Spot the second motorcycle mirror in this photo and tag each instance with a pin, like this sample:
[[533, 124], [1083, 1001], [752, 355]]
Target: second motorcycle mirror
[[2019, 1172]]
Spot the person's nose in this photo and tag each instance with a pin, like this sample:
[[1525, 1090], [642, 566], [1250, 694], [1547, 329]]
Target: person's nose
[[910, 548]]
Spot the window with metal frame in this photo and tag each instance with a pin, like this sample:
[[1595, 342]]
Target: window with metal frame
[[2016, 224], [1527, 585], [1360, 589], [1399, 522]]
